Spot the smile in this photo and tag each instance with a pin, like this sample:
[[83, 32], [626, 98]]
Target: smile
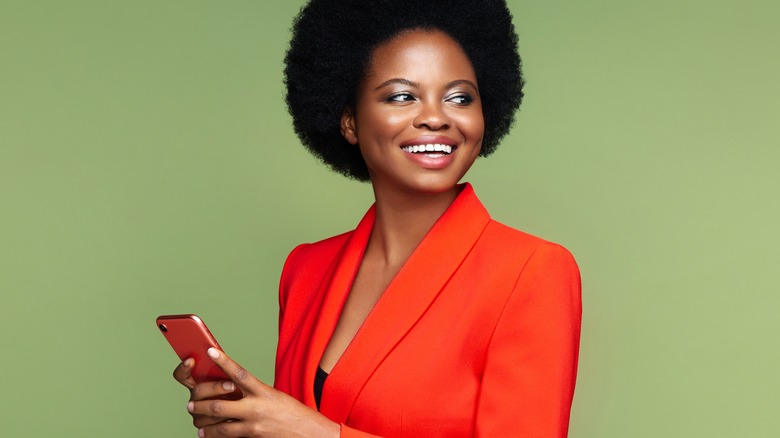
[[423, 148]]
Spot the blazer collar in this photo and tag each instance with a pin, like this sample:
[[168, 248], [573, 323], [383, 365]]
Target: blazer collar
[[404, 301]]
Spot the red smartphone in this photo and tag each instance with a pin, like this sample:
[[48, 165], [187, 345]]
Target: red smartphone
[[189, 337]]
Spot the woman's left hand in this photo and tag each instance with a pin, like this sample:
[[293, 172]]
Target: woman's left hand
[[262, 412]]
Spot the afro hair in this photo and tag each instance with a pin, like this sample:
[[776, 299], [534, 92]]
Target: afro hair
[[331, 46]]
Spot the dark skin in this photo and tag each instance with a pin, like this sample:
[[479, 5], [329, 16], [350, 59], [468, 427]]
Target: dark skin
[[420, 89], [262, 411]]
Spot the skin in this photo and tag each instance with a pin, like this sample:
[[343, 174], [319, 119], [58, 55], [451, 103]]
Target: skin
[[262, 411], [420, 86]]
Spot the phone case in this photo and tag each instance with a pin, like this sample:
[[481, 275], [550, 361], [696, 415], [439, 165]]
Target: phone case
[[189, 337]]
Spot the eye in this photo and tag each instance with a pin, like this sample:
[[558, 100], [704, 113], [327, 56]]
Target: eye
[[400, 97], [460, 99]]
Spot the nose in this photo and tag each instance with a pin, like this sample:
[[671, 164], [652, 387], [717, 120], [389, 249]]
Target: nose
[[432, 117]]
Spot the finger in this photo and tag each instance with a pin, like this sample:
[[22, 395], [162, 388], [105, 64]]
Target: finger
[[183, 373], [206, 390], [216, 408], [231, 429], [206, 420], [247, 382]]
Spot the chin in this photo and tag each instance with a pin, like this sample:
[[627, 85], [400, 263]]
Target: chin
[[433, 185]]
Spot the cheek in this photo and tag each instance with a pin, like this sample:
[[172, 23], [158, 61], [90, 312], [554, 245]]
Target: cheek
[[381, 127], [472, 126]]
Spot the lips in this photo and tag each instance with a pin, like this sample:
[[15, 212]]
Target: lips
[[430, 151], [430, 145]]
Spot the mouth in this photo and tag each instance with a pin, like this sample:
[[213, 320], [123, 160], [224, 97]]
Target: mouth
[[429, 149]]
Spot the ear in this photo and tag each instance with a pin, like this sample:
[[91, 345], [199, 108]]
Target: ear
[[348, 129]]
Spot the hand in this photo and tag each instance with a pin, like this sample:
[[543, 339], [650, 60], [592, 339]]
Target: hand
[[202, 391], [262, 412]]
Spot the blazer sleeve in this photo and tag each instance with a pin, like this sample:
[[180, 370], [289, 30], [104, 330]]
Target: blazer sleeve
[[531, 364]]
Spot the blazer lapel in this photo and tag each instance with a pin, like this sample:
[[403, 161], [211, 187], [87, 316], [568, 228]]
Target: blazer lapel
[[404, 301], [333, 293]]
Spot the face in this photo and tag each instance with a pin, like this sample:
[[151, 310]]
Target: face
[[418, 115]]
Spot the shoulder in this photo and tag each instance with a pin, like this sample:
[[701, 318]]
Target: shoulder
[[307, 263], [520, 248], [544, 287], [307, 253], [546, 276]]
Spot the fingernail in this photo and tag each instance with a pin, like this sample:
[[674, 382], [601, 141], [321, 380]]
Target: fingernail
[[190, 406], [228, 386], [201, 433], [188, 362], [213, 353]]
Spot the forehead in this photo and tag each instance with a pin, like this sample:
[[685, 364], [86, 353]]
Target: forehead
[[420, 55]]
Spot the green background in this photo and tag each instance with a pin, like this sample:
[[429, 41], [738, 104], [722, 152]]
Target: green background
[[148, 166]]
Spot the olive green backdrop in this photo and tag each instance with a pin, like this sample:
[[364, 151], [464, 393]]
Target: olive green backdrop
[[148, 166]]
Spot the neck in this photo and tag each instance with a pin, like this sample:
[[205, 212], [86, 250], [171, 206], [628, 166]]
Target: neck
[[402, 221]]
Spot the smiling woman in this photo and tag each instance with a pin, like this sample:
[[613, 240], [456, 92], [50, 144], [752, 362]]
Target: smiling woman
[[429, 318], [330, 51], [419, 92]]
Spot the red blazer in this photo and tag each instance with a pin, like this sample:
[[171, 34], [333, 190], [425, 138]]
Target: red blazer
[[477, 335]]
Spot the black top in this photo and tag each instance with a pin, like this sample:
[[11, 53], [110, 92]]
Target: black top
[[319, 382]]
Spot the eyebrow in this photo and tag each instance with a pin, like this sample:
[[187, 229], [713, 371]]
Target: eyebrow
[[462, 82], [401, 81], [409, 83]]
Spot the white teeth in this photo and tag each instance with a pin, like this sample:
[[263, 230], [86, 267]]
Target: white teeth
[[447, 149]]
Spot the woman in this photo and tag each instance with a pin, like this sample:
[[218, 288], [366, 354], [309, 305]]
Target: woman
[[429, 319]]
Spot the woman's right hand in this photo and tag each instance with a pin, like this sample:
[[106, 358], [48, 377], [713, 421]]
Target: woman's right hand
[[202, 391]]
